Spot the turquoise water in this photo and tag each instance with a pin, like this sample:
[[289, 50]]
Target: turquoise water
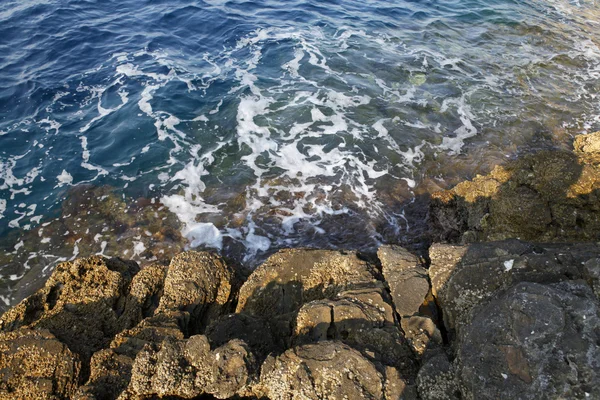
[[268, 124]]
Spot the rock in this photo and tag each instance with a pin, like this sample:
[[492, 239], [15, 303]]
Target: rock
[[406, 278], [80, 304], [363, 319], [110, 374], [254, 331], [110, 369], [35, 365], [277, 289], [436, 379], [188, 368], [94, 220], [198, 283], [325, 370], [588, 146], [144, 294], [465, 276], [422, 334], [534, 339], [292, 277], [549, 196]]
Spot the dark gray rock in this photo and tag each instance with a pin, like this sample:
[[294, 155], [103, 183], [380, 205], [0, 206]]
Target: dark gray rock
[[534, 341], [464, 276], [436, 379]]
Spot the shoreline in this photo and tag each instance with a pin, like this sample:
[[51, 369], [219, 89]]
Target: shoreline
[[481, 315]]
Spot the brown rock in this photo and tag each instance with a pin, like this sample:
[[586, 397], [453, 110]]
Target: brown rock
[[198, 283], [325, 370], [35, 365], [406, 278], [293, 277], [80, 304], [363, 319]]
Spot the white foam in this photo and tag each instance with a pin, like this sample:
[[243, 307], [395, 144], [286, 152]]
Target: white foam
[[2, 207], [205, 234], [64, 178]]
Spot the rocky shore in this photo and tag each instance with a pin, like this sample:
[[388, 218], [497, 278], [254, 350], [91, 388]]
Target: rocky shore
[[505, 304]]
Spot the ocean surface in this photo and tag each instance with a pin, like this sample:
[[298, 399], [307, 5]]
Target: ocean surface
[[255, 125]]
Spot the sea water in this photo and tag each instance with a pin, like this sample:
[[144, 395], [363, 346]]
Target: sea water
[[269, 124]]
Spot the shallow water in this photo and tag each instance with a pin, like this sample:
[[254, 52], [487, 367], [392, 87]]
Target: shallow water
[[268, 124]]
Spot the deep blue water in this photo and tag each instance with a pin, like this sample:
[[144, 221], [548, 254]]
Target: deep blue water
[[281, 123]]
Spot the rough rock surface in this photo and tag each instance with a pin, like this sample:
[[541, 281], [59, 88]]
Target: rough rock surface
[[198, 283], [35, 365], [326, 370], [80, 304], [464, 276], [520, 320], [535, 339], [188, 368], [293, 277], [406, 277], [547, 196]]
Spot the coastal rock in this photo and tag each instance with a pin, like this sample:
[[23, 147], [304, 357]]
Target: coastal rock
[[534, 339], [293, 277], [422, 334], [406, 278], [436, 379], [320, 371], [198, 283], [277, 289], [93, 220], [144, 294], [80, 304], [588, 147], [188, 368], [35, 365], [110, 369], [548, 196], [361, 318], [465, 276], [254, 331]]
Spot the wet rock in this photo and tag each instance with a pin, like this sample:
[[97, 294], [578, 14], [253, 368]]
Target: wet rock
[[533, 341], [319, 371], [35, 365], [93, 220], [465, 276], [547, 196], [198, 283], [188, 368], [588, 147], [406, 278]]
